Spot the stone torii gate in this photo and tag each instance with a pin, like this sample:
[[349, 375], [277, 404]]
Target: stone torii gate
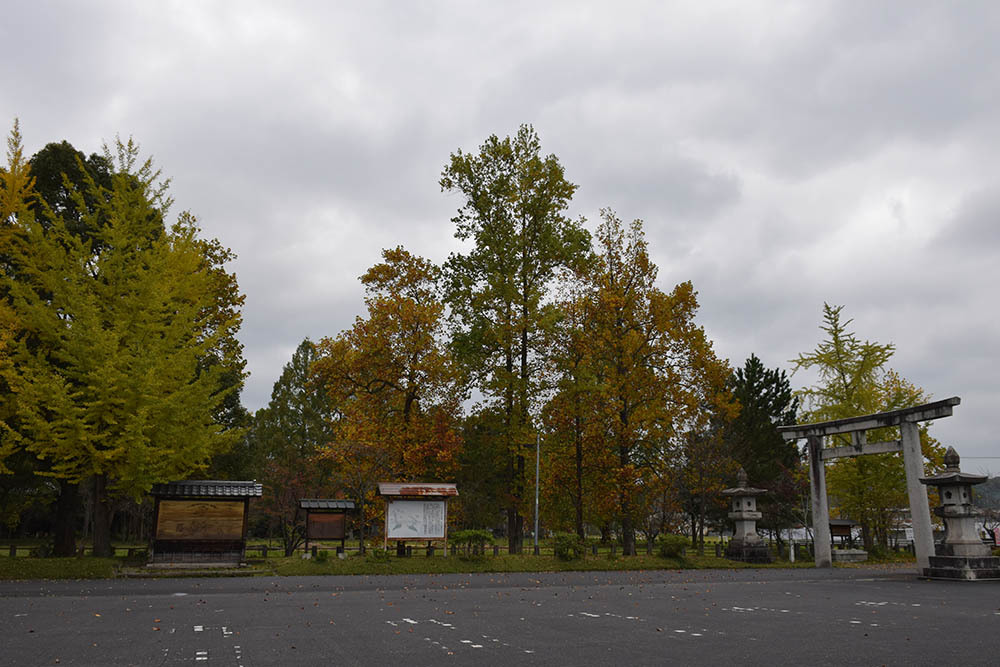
[[913, 463]]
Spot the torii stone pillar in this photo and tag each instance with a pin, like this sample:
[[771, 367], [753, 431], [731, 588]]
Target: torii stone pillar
[[822, 549], [907, 420]]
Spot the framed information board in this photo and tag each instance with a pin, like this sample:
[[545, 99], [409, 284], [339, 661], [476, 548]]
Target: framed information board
[[416, 511], [416, 519]]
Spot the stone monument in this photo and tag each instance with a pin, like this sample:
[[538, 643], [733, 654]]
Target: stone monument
[[962, 555], [746, 544]]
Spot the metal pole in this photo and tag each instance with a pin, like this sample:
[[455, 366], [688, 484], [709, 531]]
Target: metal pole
[[538, 441]]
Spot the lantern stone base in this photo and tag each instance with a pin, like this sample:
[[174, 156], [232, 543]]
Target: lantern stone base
[[963, 568], [849, 555], [748, 551]]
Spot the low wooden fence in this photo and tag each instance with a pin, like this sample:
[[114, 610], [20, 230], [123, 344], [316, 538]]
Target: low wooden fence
[[26, 550]]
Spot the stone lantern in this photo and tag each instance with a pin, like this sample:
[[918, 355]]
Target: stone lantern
[[746, 544], [962, 555]]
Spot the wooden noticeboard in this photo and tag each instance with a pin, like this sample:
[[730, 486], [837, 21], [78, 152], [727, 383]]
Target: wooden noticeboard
[[326, 526], [200, 520]]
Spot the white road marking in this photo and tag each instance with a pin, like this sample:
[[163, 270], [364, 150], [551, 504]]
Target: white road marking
[[199, 628], [583, 613], [410, 621]]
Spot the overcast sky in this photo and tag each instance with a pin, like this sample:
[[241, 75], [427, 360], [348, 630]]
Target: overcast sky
[[781, 154]]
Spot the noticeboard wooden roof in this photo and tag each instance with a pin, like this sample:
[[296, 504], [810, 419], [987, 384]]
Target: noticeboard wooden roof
[[325, 504], [207, 488], [421, 489]]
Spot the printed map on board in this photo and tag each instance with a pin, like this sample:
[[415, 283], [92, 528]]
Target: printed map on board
[[415, 519]]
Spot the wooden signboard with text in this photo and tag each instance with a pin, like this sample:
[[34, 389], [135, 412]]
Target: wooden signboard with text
[[200, 520]]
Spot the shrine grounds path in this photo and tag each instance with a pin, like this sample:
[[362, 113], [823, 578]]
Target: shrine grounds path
[[692, 617]]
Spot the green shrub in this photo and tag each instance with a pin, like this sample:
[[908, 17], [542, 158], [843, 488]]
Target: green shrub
[[474, 539], [568, 546], [43, 550], [322, 556], [673, 546], [377, 555]]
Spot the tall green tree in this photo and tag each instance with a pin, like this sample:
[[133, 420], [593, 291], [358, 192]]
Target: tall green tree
[[854, 379], [16, 189], [20, 487], [766, 401], [706, 468], [287, 435], [61, 173], [114, 331], [514, 215]]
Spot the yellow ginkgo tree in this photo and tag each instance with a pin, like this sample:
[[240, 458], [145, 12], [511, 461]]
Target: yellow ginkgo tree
[[122, 339]]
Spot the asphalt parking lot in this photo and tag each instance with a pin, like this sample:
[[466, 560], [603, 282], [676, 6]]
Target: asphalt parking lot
[[746, 617]]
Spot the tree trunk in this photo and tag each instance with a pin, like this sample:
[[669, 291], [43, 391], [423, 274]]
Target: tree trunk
[[361, 524], [64, 526], [102, 518], [628, 536], [579, 482], [515, 523], [866, 537], [701, 523], [519, 488]]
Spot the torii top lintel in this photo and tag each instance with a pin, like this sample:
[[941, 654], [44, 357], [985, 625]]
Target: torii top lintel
[[917, 413]]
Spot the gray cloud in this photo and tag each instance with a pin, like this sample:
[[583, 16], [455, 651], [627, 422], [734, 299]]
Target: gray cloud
[[781, 155]]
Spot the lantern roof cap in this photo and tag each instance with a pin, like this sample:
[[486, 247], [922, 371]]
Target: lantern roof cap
[[952, 474], [743, 488]]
